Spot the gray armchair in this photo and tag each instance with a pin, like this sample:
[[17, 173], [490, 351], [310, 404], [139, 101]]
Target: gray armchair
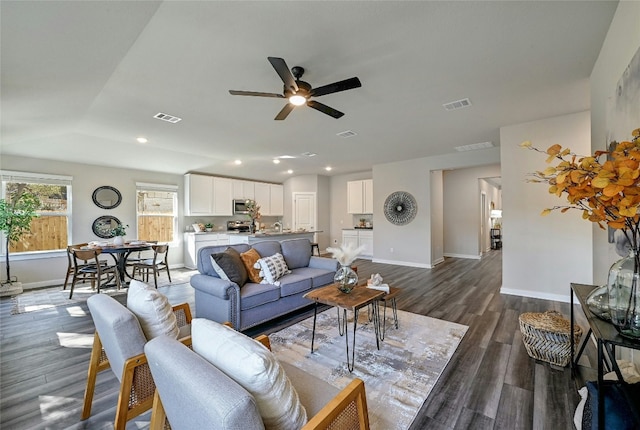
[[192, 393], [118, 344]]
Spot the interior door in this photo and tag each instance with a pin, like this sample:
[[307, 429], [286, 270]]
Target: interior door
[[304, 211]]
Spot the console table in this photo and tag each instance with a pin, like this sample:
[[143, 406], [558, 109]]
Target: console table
[[607, 339]]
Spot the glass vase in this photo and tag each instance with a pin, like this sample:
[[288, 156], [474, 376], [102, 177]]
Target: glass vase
[[346, 279], [624, 303], [598, 302]]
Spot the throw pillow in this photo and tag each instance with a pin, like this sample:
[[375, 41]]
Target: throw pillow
[[249, 259], [272, 268], [229, 266], [152, 309], [255, 368]]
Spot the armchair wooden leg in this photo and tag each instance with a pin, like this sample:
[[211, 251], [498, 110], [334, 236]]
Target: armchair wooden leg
[[158, 416], [97, 363]]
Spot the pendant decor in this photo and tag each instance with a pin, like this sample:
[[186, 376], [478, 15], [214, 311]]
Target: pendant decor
[[400, 208], [624, 298]]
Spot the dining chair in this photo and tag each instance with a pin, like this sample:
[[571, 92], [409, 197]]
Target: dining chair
[[87, 266], [153, 265], [71, 267]]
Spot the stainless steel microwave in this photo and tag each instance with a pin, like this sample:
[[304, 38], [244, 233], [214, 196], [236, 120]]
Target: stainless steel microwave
[[240, 207]]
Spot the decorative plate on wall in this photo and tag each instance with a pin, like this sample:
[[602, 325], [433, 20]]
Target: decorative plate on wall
[[400, 208]]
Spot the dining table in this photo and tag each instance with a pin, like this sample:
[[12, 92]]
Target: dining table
[[120, 253]]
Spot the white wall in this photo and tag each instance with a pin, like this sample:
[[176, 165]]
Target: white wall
[[411, 243], [542, 255], [437, 217], [50, 270], [620, 45], [462, 188]]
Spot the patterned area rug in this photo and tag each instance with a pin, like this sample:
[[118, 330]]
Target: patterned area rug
[[398, 377]]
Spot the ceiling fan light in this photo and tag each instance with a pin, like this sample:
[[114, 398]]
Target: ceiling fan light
[[297, 100]]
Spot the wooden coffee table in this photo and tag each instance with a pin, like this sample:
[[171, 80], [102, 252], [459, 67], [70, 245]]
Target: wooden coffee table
[[358, 298]]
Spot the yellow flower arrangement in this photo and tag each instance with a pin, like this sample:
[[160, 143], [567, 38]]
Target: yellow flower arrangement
[[604, 186], [253, 209]]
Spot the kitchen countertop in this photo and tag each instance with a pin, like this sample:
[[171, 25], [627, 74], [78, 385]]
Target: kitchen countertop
[[275, 233], [359, 228]]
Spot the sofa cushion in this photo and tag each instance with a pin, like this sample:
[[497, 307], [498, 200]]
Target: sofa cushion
[[253, 367], [153, 310], [229, 266], [204, 262], [319, 277], [272, 268], [294, 283], [250, 258], [267, 247], [296, 252], [252, 295]]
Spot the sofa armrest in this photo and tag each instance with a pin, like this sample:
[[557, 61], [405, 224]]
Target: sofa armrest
[[348, 410], [323, 263], [215, 286]]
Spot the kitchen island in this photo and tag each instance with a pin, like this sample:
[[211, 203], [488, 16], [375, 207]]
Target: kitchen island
[[235, 238]]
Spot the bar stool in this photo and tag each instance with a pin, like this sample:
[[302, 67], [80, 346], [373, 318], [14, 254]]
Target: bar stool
[[314, 245]]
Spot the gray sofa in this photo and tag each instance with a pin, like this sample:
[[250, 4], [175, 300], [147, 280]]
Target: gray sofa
[[252, 304]]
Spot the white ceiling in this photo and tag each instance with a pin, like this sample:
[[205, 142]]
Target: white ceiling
[[81, 80]]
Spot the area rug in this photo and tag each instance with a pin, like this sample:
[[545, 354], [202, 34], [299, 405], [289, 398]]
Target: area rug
[[398, 377]]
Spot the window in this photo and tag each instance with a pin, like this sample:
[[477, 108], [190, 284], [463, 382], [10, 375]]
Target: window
[[50, 231], [157, 210]]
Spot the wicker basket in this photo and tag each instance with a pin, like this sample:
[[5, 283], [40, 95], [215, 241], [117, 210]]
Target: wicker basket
[[546, 336]]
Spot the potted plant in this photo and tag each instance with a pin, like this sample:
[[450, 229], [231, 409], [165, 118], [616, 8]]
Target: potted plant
[[208, 226], [16, 213], [119, 233]]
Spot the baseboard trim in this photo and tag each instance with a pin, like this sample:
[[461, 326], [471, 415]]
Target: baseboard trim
[[537, 295], [402, 263], [470, 256]]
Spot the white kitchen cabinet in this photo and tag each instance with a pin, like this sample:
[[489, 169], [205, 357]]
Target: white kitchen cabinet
[[195, 241], [263, 197], [359, 238], [350, 237], [365, 238], [198, 194], [222, 197], [276, 206], [243, 190], [208, 195], [360, 197]]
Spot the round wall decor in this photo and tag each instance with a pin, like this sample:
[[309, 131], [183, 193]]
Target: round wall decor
[[103, 226], [400, 208]]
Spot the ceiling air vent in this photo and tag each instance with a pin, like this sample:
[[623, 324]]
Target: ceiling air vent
[[168, 118], [458, 104], [346, 134], [474, 146], [309, 154]]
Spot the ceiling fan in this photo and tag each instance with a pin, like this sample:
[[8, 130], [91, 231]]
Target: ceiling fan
[[300, 92]]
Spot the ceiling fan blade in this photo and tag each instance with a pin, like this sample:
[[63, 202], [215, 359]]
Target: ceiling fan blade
[[286, 110], [336, 87], [324, 109], [255, 93], [283, 71]]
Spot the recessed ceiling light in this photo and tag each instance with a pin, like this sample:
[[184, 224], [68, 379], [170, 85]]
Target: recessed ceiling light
[[276, 161], [328, 168], [142, 140], [289, 171], [237, 162], [286, 156]]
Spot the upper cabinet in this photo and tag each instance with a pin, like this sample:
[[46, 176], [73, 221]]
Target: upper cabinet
[[360, 197], [243, 190], [208, 195], [270, 198]]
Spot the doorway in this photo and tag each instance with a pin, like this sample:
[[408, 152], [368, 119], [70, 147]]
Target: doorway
[[304, 211]]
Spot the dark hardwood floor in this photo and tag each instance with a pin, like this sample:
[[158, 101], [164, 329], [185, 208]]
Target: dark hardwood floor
[[490, 383]]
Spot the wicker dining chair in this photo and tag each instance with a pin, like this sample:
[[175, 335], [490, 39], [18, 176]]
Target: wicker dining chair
[[87, 266], [154, 265]]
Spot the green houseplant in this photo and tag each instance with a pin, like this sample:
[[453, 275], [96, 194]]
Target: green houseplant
[[16, 213], [119, 232]]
